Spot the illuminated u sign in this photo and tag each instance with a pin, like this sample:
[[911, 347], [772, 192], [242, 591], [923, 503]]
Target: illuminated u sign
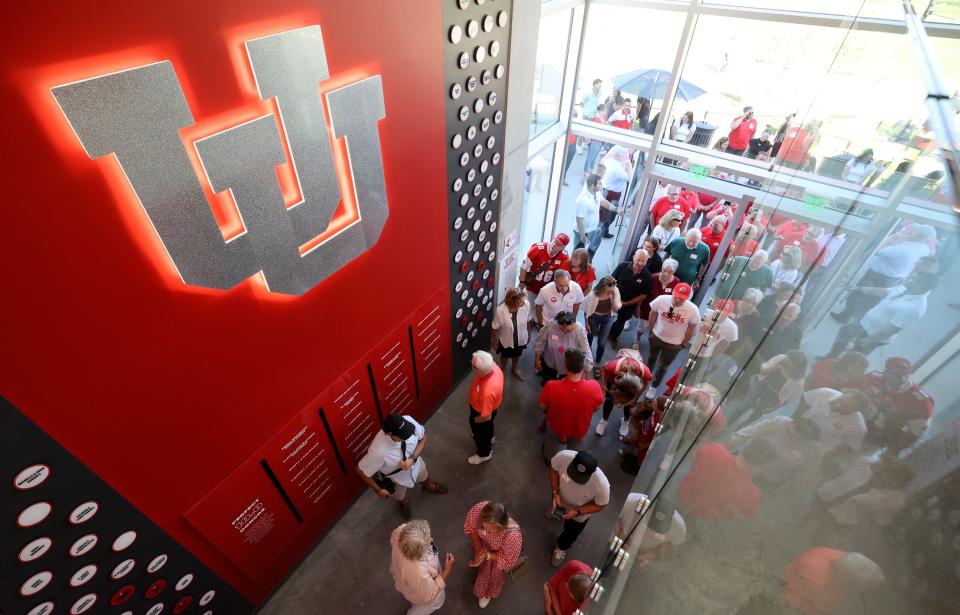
[[137, 114]]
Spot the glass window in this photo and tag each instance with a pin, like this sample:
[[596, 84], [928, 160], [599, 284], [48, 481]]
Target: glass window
[[940, 11], [884, 9], [536, 192], [552, 42], [639, 74]]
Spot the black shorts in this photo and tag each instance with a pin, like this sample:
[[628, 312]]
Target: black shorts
[[510, 353]]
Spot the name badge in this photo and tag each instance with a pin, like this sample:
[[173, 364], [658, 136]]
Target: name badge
[[555, 338], [694, 256]]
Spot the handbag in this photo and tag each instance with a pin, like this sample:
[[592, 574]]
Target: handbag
[[383, 480], [520, 567]]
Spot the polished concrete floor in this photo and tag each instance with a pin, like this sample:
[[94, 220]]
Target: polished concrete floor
[[349, 566]]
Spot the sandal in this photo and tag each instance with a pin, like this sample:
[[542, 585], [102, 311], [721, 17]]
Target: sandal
[[434, 487]]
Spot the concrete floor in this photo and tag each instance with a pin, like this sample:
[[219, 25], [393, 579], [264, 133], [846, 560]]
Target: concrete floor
[[349, 566]]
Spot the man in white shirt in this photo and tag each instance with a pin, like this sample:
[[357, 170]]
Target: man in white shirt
[[614, 182], [393, 463], [580, 488], [715, 334], [898, 308], [665, 528], [673, 321], [838, 417], [558, 296], [589, 202], [591, 100], [886, 268]]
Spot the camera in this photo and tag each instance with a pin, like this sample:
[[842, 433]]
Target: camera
[[558, 513]]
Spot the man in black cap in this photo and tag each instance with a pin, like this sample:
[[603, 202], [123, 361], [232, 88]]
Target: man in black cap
[[665, 528], [393, 462], [580, 489]]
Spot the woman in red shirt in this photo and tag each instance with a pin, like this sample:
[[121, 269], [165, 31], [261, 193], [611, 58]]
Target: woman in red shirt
[[581, 271]]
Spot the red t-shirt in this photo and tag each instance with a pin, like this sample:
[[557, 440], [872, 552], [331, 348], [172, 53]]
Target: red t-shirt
[[583, 278], [538, 255], [823, 376], [809, 584], [712, 240], [663, 205], [690, 201], [717, 488], [790, 230], [620, 366], [706, 199], [559, 581], [741, 135], [796, 146], [570, 406]]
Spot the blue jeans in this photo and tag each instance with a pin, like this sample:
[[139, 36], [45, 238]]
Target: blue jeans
[[594, 238], [600, 328], [593, 150]]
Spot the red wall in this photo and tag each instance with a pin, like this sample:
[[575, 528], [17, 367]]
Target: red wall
[[162, 389]]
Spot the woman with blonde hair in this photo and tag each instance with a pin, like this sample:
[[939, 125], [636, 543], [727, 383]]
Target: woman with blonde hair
[[511, 329], [415, 567], [497, 545], [786, 269], [581, 271], [600, 309], [668, 228]]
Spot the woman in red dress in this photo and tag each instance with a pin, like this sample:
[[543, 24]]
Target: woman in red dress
[[497, 544]]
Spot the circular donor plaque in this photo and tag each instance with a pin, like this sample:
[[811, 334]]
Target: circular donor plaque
[[478, 105], [155, 588], [464, 199], [31, 476], [485, 77], [34, 514], [207, 597], [457, 223], [485, 124], [480, 54], [494, 194], [471, 245], [499, 71], [471, 133], [455, 34], [498, 117], [473, 28], [484, 165], [83, 575], [84, 512], [492, 98], [464, 159], [477, 190], [494, 49], [477, 150], [491, 141], [83, 545], [157, 563], [471, 83], [483, 203], [458, 256], [476, 225], [36, 583], [471, 213], [464, 113], [502, 19], [463, 4], [496, 158], [463, 60], [83, 605], [123, 569], [456, 141], [35, 549], [487, 23], [464, 343], [42, 609], [122, 595], [464, 235], [471, 175], [455, 91], [457, 184], [489, 181], [155, 609]]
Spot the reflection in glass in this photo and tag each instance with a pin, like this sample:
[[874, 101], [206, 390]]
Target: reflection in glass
[[552, 42]]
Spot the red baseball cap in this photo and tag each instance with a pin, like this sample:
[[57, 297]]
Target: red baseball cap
[[562, 238], [683, 291], [725, 306], [898, 365]]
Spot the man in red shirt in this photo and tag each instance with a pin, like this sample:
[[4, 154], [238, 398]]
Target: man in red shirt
[[541, 261], [569, 405], [674, 200], [486, 394], [822, 581], [786, 234], [797, 144], [567, 589], [904, 408], [627, 362], [742, 129], [809, 246], [712, 235], [720, 486]]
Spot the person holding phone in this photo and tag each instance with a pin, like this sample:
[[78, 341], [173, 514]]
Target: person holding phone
[[415, 567], [497, 545], [742, 129]]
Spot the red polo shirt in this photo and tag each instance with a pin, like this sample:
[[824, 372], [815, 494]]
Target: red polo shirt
[[663, 205], [570, 406], [559, 581], [486, 392], [810, 585], [712, 240], [717, 488], [741, 135]]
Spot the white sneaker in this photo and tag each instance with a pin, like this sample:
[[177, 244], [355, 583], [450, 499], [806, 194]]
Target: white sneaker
[[477, 459], [651, 393], [601, 427], [558, 557], [624, 428], [484, 602]]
